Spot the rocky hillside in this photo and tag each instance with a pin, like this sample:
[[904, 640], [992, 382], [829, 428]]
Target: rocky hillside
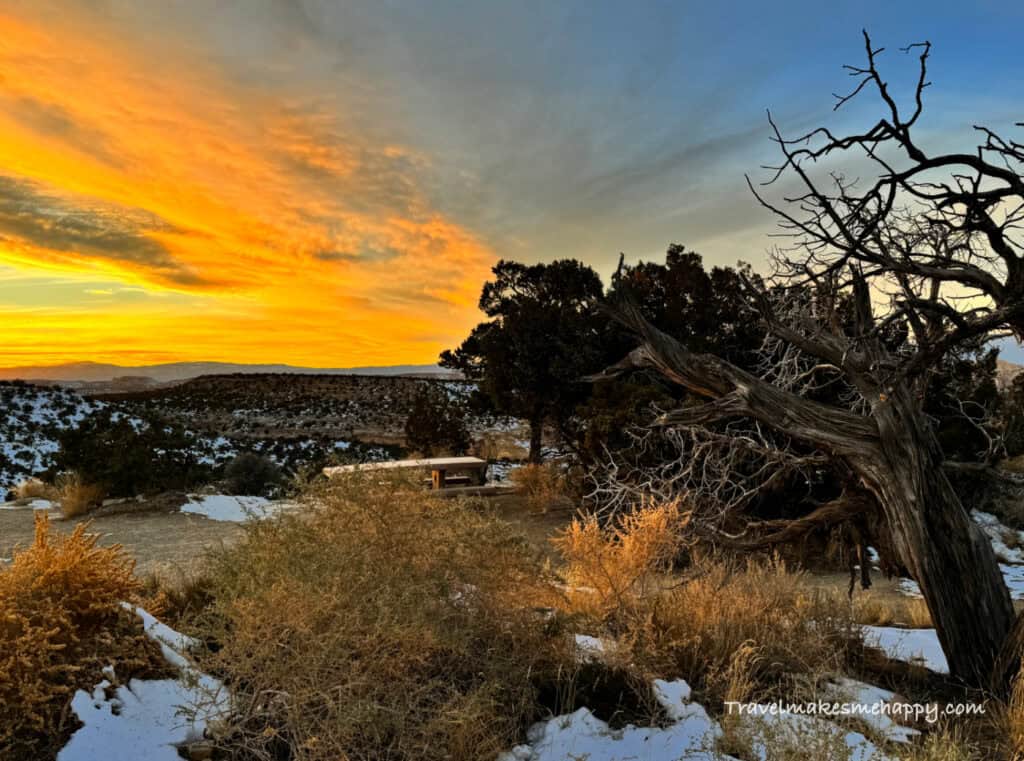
[[296, 420], [31, 421], [285, 405]]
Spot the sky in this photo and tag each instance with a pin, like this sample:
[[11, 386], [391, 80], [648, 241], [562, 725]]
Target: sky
[[328, 183]]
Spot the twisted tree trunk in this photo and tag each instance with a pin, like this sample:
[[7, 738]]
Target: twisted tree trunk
[[536, 438], [946, 552], [897, 457]]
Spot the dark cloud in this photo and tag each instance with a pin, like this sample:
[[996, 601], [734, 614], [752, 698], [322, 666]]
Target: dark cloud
[[29, 213], [365, 253], [54, 120]]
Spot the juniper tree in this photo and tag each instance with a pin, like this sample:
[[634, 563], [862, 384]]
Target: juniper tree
[[927, 249]]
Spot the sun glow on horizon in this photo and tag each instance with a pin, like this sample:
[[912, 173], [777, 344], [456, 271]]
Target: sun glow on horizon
[[203, 218]]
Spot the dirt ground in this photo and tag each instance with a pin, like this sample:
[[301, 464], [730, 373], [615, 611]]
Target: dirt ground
[[167, 542], [538, 527], [161, 542]]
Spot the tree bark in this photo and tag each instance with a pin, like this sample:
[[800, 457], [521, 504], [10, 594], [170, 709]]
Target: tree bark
[[897, 456], [945, 551], [536, 442]]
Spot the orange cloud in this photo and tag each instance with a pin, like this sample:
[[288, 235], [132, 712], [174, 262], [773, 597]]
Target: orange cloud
[[283, 235]]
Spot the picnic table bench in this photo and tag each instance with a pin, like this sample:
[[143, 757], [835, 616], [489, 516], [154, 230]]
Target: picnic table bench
[[444, 471]]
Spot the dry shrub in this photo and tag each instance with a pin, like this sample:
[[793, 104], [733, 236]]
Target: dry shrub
[[61, 623], [381, 623], [1012, 718], [76, 496], [753, 737], [546, 486], [176, 595], [907, 612], [728, 629], [33, 488], [949, 743], [610, 568]]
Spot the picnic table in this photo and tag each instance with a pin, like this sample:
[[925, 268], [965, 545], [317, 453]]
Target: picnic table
[[444, 471]]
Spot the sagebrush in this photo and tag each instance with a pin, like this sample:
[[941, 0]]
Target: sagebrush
[[382, 623], [62, 622]]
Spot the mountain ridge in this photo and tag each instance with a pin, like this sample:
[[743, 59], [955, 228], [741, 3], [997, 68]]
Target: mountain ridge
[[92, 372]]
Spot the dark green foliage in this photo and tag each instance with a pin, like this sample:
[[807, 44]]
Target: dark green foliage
[[961, 394], [1013, 417], [436, 424], [128, 456], [252, 474], [543, 336], [706, 310], [605, 420]]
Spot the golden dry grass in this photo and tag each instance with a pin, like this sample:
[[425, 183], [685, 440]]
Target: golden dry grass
[[908, 612], [546, 486], [383, 623], [62, 623], [733, 631], [76, 496], [1011, 719], [33, 488], [949, 743]]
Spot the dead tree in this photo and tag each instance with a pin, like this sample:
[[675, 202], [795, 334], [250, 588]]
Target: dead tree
[[929, 246]]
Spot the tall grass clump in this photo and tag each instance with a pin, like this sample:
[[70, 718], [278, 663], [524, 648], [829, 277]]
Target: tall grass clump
[[733, 630], [546, 486], [61, 622], [380, 623], [1012, 719], [76, 496]]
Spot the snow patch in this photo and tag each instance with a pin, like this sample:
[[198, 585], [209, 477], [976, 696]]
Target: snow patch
[[920, 646], [581, 735], [772, 729], [35, 504], [224, 507], [146, 719], [693, 735], [866, 696], [590, 648]]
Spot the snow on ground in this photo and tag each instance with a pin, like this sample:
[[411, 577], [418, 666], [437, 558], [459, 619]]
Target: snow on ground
[[919, 646], [146, 719], [500, 470], [999, 535], [173, 644], [31, 421], [589, 648], [864, 697], [581, 735], [692, 734], [811, 735], [34, 504], [224, 507]]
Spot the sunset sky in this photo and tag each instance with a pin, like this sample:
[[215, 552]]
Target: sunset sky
[[328, 184]]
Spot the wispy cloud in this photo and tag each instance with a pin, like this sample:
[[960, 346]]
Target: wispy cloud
[[69, 230], [329, 183]]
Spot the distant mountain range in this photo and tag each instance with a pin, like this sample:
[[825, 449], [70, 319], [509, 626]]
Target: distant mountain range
[[96, 372]]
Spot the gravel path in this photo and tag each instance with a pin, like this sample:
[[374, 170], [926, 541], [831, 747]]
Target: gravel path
[[159, 541]]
